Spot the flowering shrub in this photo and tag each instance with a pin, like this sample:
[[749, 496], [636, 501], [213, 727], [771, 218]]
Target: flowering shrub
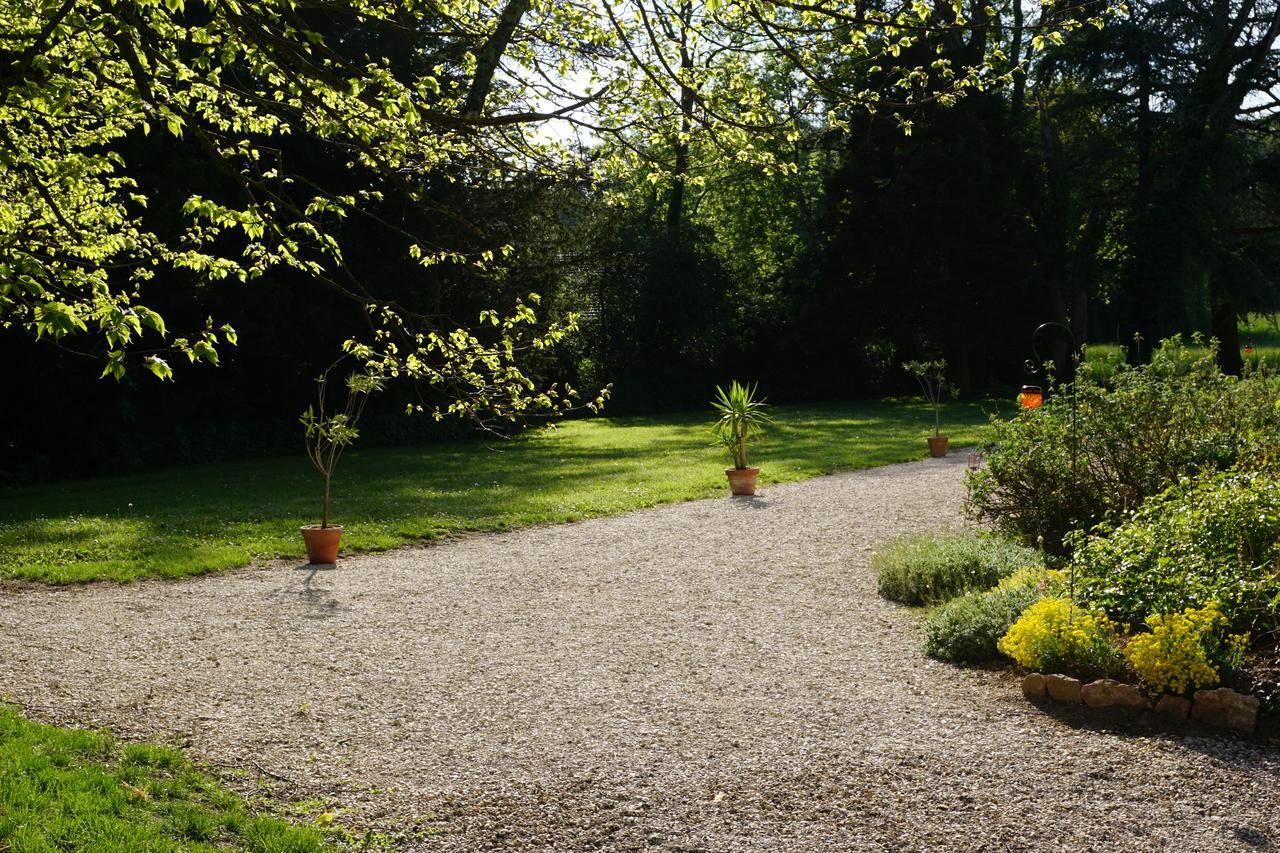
[[1054, 634], [1184, 650], [1045, 581]]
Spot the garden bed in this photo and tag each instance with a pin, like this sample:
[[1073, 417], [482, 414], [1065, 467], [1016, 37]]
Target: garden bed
[[1151, 510]]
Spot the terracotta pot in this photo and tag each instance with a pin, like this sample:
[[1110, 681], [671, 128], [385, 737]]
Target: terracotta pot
[[742, 481], [322, 543], [937, 446]]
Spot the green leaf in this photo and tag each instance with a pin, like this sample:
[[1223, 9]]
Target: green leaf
[[57, 319], [151, 320], [205, 351], [159, 367]]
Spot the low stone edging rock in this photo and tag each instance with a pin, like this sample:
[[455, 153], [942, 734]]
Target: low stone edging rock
[[1106, 693], [1222, 707]]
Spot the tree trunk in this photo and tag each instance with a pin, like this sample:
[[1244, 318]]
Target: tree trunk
[[1144, 130], [1080, 322], [1139, 314], [1015, 59], [964, 367], [675, 204], [324, 505], [1224, 324]]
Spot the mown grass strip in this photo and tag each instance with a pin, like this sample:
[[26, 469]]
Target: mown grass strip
[[189, 521]]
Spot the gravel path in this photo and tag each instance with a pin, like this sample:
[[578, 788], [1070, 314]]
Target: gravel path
[[717, 675]]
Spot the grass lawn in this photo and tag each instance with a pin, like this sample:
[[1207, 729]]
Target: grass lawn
[[187, 521], [1258, 332], [67, 789], [1261, 332]]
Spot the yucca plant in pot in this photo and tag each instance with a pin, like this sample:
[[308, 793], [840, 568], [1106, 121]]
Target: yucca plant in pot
[[932, 376], [328, 433], [742, 417]]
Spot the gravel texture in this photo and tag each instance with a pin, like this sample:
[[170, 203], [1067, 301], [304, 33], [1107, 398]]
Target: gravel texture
[[717, 675]]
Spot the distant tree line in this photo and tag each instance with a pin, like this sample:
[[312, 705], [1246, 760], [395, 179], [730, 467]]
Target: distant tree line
[[820, 219]]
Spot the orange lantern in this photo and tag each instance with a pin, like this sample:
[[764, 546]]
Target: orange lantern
[[1031, 397]]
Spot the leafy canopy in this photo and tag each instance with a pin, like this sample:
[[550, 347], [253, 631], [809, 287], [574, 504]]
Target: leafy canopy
[[466, 97]]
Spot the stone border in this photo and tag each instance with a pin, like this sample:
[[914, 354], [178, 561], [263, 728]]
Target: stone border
[[1222, 707]]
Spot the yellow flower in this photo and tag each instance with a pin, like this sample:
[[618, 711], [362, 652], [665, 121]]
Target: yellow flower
[[1173, 657], [1053, 633]]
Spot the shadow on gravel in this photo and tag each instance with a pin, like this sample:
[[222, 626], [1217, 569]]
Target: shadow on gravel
[[317, 599], [1253, 838], [958, 457], [1258, 752]]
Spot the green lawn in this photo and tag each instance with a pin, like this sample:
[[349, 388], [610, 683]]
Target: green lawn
[[1101, 360], [1261, 332], [1258, 332], [187, 521], [73, 790]]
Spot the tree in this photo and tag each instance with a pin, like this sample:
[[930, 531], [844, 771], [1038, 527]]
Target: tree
[[1234, 57], [242, 83], [320, 121], [1186, 90]]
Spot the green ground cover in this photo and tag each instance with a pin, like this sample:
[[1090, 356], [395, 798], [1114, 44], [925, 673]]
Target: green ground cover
[[74, 790], [187, 521]]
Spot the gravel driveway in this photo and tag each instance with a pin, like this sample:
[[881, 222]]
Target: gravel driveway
[[717, 675]]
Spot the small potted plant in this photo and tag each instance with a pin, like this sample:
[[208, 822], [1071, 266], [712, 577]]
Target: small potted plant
[[327, 435], [932, 376], [742, 418]]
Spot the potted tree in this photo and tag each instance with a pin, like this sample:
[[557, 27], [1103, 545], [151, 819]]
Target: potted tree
[[742, 417], [932, 376], [327, 435]]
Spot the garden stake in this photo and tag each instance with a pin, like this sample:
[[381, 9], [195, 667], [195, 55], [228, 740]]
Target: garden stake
[[1033, 366]]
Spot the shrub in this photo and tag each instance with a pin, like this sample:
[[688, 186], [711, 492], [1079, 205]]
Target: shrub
[[1214, 539], [966, 629], [1174, 418], [933, 568], [1056, 635], [1185, 650]]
